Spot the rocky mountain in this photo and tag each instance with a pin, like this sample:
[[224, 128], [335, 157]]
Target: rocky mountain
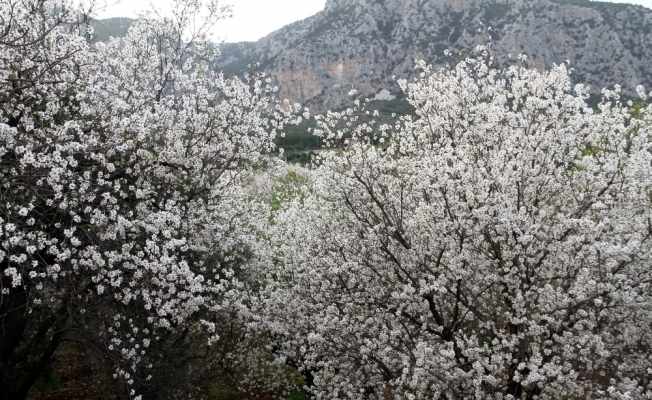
[[365, 43], [110, 27]]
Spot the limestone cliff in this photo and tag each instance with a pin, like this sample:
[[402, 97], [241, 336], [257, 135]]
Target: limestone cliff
[[365, 43]]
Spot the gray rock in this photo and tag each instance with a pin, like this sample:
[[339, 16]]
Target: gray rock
[[365, 43]]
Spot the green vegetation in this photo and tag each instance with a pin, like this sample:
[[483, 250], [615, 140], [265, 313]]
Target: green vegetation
[[223, 393], [299, 139], [399, 106], [300, 395], [300, 157], [288, 187]]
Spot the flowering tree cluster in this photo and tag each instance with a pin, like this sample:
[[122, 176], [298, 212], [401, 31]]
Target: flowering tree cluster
[[498, 245], [121, 166]]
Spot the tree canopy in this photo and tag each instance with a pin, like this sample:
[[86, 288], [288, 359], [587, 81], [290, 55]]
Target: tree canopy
[[497, 246], [121, 166], [495, 243]]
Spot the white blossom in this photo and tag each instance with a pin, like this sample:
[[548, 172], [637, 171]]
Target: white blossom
[[497, 246], [121, 175]]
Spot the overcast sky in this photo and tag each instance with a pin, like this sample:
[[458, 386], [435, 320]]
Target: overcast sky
[[253, 19]]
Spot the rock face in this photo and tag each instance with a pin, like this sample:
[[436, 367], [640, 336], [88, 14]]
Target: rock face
[[105, 28], [365, 43]]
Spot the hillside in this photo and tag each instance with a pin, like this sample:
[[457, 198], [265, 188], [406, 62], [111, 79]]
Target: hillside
[[365, 43], [105, 28]]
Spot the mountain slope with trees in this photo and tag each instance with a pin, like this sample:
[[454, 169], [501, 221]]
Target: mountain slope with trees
[[365, 43]]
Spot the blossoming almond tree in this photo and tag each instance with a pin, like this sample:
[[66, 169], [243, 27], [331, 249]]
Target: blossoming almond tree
[[496, 246], [120, 171]]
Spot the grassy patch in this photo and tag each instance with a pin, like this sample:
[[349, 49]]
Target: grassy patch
[[299, 395], [220, 392]]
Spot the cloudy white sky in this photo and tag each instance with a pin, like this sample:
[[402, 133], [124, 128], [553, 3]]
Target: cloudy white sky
[[253, 19]]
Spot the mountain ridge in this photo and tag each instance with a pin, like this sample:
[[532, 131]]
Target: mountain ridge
[[365, 43]]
